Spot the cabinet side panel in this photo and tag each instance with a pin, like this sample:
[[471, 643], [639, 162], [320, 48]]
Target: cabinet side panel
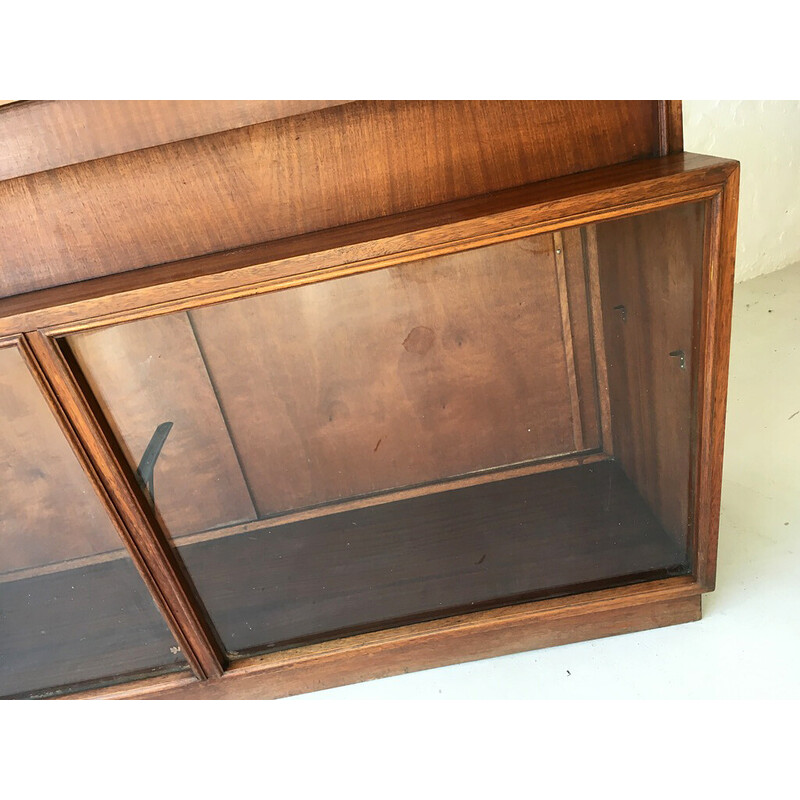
[[40, 135], [648, 267]]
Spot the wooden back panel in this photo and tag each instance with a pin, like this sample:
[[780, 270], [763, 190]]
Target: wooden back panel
[[38, 135], [153, 372], [285, 177], [406, 375], [396, 377], [48, 510]]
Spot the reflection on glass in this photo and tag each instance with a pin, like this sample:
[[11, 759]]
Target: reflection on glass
[[73, 610], [498, 424]]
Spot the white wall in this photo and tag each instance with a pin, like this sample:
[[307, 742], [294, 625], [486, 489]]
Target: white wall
[[764, 135]]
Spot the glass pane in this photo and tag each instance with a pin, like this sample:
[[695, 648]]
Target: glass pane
[[650, 268], [74, 612], [453, 433]]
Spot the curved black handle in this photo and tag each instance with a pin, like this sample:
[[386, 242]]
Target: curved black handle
[[144, 472]]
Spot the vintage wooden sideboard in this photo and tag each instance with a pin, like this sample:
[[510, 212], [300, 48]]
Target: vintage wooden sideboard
[[301, 393]]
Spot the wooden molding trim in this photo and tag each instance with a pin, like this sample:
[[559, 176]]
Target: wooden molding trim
[[469, 637], [538, 208], [151, 554], [712, 392]]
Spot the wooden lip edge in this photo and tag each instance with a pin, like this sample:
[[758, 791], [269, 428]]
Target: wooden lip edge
[[36, 310], [548, 464], [464, 631], [182, 300], [493, 475], [133, 690]]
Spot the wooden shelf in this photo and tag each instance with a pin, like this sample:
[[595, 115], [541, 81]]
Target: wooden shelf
[[524, 538], [467, 549], [93, 626]]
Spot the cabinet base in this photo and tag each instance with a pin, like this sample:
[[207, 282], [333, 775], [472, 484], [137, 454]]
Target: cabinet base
[[469, 637]]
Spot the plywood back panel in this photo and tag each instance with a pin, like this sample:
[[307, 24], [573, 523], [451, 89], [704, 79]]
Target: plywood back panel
[[341, 388], [150, 372], [396, 377]]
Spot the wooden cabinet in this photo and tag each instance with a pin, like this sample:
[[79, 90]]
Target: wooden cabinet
[[458, 402]]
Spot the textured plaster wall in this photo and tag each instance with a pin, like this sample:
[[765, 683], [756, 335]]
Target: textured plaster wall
[[764, 135]]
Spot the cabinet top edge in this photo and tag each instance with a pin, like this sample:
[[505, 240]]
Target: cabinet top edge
[[557, 203]]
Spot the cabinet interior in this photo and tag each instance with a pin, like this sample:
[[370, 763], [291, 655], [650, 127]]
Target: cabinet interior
[[501, 423]]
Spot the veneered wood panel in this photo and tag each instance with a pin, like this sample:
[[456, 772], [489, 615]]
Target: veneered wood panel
[[49, 511], [649, 267], [512, 213], [278, 179], [150, 372], [711, 366], [396, 377], [39, 135]]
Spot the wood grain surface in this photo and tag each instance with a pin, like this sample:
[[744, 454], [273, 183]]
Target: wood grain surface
[[48, 509], [39, 135], [649, 278], [448, 641], [397, 377], [150, 372], [81, 628], [278, 179], [430, 556]]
